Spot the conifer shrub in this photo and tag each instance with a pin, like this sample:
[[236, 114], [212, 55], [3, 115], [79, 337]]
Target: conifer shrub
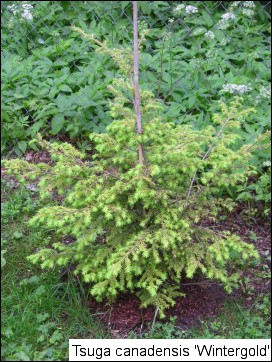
[[138, 227]]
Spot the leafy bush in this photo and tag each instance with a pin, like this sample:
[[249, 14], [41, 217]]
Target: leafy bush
[[20, 204], [138, 227], [53, 83], [258, 191]]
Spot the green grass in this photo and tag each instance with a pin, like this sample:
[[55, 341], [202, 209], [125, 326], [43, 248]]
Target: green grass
[[39, 311], [238, 322]]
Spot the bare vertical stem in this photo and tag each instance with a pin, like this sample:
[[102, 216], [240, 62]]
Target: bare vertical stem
[[136, 80], [154, 318]]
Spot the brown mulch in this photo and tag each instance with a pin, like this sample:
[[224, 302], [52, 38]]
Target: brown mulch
[[126, 315], [38, 157]]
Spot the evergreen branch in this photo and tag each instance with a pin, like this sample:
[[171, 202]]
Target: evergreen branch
[[205, 157]]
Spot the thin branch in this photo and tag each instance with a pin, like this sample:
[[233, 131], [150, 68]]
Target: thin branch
[[136, 80], [111, 174], [154, 318], [217, 136], [88, 36]]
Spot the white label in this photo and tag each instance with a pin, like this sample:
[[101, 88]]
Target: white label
[[169, 350]]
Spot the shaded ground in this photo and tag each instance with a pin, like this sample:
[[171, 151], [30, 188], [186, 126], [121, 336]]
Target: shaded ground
[[126, 315]]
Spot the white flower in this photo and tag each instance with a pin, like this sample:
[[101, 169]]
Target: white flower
[[191, 9], [27, 6], [212, 54], [27, 15], [166, 35], [235, 3], [246, 5], [225, 41], [25, 10], [13, 8], [249, 4], [228, 16], [265, 92], [178, 8], [209, 34], [171, 20], [11, 23], [224, 22], [248, 12], [142, 25], [41, 41], [267, 163], [235, 89]]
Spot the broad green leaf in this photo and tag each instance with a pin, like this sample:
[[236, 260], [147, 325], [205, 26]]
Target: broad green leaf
[[22, 356], [64, 102], [208, 19], [65, 88], [17, 235], [18, 95], [22, 146], [57, 123]]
